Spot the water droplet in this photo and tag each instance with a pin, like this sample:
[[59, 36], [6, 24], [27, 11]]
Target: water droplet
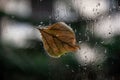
[[80, 41], [99, 67], [73, 71], [102, 18], [95, 20], [110, 9], [86, 57], [109, 16], [39, 25], [79, 33], [85, 64], [105, 51], [96, 43], [102, 42], [75, 30], [97, 12], [88, 38], [85, 68], [98, 4], [69, 24], [67, 65], [56, 17], [41, 22], [79, 65], [118, 7], [57, 35]]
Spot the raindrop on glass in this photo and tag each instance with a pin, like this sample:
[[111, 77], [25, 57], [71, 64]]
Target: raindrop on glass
[[109, 32], [79, 65], [75, 30], [102, 42], [67, 65], [97, 12], [98, 66], [80, 42], [105, 51], [85, 68], [98, 4], [41, 22], [73, 71]]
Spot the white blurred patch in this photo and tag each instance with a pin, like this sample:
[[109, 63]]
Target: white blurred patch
[[108, 27], [91, 8], [63, 11], [116, 23], [104, 28], [17, 34], [17, 7], [87, 55]]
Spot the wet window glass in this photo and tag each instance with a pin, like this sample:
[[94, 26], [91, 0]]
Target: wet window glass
[[60, 39]]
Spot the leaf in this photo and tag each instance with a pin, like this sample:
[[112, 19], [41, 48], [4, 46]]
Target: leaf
[[58, 39]]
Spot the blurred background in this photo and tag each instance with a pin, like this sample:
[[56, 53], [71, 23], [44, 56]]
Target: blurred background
[[96, 24]]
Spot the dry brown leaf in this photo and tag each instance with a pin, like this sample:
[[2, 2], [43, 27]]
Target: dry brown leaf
[[58, 39]]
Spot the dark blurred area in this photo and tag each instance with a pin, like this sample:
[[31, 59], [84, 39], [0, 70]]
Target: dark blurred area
[[95, 23]]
